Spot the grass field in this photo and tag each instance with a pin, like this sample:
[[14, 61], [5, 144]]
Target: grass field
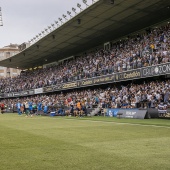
[[97, 143]]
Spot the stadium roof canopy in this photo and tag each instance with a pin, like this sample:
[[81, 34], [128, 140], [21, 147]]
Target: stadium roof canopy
[[100, 23]]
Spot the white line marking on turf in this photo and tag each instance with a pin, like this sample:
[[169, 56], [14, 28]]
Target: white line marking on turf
[[119, 123]]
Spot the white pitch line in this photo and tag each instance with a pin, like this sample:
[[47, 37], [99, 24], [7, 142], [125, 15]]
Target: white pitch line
[[119, 123]]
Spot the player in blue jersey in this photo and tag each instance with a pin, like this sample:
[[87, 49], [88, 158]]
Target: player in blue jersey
[[45, 108], [39, 108], [18, 105], [30, 108]]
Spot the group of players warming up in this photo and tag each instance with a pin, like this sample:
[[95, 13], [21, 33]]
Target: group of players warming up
[[31, 108]]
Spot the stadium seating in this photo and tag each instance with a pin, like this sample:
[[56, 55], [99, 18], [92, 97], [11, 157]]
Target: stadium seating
[[146, 49]]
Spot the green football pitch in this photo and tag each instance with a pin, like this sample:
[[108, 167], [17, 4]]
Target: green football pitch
[[95, 143]]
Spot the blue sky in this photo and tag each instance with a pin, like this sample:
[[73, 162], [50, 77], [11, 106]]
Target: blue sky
[[24, 19]]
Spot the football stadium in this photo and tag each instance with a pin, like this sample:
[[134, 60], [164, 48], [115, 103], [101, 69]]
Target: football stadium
[[93, 92]]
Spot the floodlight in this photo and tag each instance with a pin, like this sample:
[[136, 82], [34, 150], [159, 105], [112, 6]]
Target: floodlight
[[74, 10], [85, 2], [46, 30], [60, 19], [53, 25], [64, 16], [69, 13], [56, 22], [79, 6]]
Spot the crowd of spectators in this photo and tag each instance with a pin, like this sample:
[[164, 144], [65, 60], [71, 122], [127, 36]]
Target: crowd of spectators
[[145, 95], [141, 50]]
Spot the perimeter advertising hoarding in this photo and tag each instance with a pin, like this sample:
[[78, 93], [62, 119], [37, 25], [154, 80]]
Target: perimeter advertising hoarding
[[112, 112], [38, 91], [127, 113], [57, 87], [69, 85], [24, 93], [161, 69], [31, 92], [16, 94], [128, 75], [104, 79], [48, 89], [6, 95], [132, 113], [165, 115], [96, 80]]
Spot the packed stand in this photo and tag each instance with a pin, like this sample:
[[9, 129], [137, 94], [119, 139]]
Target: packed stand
[[149, 48], [146, 95]]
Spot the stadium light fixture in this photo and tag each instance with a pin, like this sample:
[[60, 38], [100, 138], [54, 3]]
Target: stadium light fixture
[[74, 10], [53, 26], [49, 27], [79, 6], [85, 2], [69, 13], [42, 32], [56, 22], [64, 16], [46, 30], [60, 19]]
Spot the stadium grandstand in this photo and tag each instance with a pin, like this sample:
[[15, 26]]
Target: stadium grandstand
[[114, 54]]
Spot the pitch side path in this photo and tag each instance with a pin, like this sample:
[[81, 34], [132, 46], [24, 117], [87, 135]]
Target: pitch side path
[[94, 143]]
